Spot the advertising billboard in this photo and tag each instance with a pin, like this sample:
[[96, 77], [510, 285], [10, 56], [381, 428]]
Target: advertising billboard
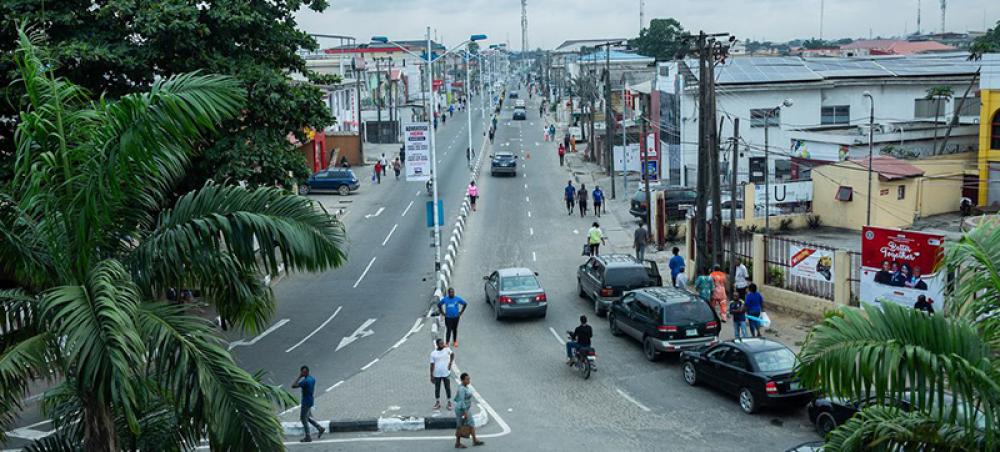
[[418, 151], [810, 263], [898, 266]]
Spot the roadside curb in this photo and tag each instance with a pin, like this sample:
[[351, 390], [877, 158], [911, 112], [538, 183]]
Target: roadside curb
[[390, 424]]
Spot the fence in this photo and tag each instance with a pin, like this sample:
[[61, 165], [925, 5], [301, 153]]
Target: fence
[[854, 277], [778, 254], [742, 248]]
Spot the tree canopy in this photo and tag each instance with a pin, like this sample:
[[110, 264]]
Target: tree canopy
[[255, 42], [661, 40], [987, 43]]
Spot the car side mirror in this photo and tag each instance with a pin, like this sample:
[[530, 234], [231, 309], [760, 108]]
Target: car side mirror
[[491, 155], [536, 273]]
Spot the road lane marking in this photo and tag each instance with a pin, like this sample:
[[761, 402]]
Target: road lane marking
[[377, 213], [242, 343], [417, 193], [576, 231], [525, 186], [320, 327], [634, 401], [399, 342], [292, 408], [527, 199], [416, 326], [407, 209], [390, 234], [369, 267], [366, 366], [531, 231], [533, 257], [553, 330], [529, 214], [359, 333], [334, 386]]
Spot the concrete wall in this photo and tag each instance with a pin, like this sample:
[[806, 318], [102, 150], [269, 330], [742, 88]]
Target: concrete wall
[[887, 210], [940, 189], [349, 145]]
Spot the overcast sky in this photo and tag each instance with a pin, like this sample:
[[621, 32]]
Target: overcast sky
[[551, 22]]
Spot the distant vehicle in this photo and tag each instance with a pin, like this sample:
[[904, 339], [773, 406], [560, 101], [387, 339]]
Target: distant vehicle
[[512, 95], [664, 319], [341, 180], [515, 292], [520, 114], [760, 372], [519, 103], [604, 278], [503, 162], [679, 199]]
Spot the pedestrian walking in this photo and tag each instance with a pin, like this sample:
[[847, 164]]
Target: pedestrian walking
[[754, 305], [570, 197], [739, 311], [385, 164], [552, 131], [598, 195], [464, 427], [545, 132], [595, 237], [308, 385], [397, 167], [378, 172], [572, 143], [719, 298], [441, 360], [676, 264], [703, 284], [741, 279], [682, 280], [473, 192], [562, 154], [452, 308], [639, 241], [566, 140], [581, 200], [493, 131]]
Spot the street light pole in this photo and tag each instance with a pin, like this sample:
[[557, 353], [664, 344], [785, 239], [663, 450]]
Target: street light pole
[[871, 153], [468, 114], [767, 165], [434, 173]]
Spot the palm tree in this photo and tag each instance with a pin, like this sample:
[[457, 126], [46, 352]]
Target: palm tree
[[939, 93], [91, 237], [585, 86], [897, 352]]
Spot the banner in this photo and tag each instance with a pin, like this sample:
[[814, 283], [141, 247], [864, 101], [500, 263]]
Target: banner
[[898, 266], [418, 152], [810, 263]]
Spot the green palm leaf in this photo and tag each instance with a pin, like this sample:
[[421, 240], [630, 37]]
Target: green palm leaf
[[892, 429]]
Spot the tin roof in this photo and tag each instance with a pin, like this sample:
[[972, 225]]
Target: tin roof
[[890, 168]]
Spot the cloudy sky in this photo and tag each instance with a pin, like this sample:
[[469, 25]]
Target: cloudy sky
[[552, 21]]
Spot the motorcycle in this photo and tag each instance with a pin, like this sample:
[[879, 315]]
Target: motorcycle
[[584, 359], [430, 187]]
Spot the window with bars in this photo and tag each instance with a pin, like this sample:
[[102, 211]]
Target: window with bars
[[835, 114], [969, 108], [995, 131], [758, 116], [926, 108]]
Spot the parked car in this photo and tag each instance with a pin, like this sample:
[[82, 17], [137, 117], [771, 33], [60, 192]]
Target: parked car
[[520, 114], [515, 292], [503, 162], [605, 278], [679, 198], [827, 413], [760, 372], [341, 180], [664, 319]]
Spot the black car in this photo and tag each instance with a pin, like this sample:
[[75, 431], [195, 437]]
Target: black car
[[664, 319], [679, 199], [827, 414], [503, 162], [520, 114], [605, 278], [760, 372], [512, 95]]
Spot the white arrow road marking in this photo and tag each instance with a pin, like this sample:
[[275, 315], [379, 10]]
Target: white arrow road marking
[[314, 331], [359, 333], [242, 343], [377, 213]]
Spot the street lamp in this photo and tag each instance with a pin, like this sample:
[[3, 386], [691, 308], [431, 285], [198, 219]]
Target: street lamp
[[871, 152], [429, 61], [767, 163]]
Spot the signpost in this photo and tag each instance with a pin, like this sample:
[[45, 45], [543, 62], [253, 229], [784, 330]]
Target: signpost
[[418, 152], [898, 266]]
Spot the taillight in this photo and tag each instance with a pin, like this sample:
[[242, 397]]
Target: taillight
[[771, 387], [607, 292], [541, 297], [591, 353], [505, 299], [666, 329], [711, 325]]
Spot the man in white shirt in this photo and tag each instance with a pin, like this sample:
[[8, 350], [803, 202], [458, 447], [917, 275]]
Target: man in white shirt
[[441, 361], [741, 280]]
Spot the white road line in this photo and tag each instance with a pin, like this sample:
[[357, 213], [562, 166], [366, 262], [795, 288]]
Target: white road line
[[369, 267], [399, 342], [531, 231], [334, 386], [576, 231], [533, 257], [260, 336], [525, 185], [553, 330], [390, 234], [527, 199], [634, 401], [292, 408], [417, 193], [524, 176], [366, 366], [407, 209], [379, 212], [529, 214], [416, 326], [315, 331]]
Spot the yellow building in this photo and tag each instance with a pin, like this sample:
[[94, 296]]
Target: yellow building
[[989, 135], [840, 193]]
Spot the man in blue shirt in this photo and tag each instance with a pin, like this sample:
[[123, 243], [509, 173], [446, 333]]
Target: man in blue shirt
[[754, 306], [452, 308], [308, 385], [676, 265], [570, 196]]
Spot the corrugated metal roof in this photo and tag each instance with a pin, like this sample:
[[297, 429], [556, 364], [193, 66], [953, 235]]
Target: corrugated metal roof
[[890, 168]]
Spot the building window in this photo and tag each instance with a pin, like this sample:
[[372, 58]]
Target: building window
[[845, 193], [995, 133], [925, 108], [758, 115], [901, 192], [664, 71], [969, 108], [835, 114], [782, 169]]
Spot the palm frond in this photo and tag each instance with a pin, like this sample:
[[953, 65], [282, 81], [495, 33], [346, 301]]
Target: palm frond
[[889, 428], [54, 443], [975, 260], [21, 363]]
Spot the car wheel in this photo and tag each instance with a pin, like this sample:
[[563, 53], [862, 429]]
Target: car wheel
[[344, 190], [614, 325], [543, 313], [597, 309], [690, 374], [747, 402], [496, 313], [825, 424], [579, 289], [486, 296], [649, 350], [303, 189]]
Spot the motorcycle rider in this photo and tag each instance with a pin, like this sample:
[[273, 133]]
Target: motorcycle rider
[[581, 338]]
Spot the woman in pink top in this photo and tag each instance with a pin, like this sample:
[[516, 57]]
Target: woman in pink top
[[473, 193]]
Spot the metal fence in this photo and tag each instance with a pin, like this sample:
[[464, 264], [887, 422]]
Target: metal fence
[[743, 247], [777, 256], [854, 277]]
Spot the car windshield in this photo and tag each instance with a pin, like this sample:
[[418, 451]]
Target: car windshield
[[517, 283], [627, 276], [776, 360], [688, 312], [504, 156]]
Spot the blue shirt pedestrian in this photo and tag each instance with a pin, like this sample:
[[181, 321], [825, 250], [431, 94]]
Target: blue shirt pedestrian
[[452, 306], [754, 302], [598, 196], [308, 385], [676, 265], [570, 192]]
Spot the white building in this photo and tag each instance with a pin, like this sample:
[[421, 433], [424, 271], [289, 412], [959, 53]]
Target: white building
[[823, 91]]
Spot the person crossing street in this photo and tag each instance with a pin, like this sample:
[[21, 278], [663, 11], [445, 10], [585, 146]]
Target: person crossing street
[[308, 385]]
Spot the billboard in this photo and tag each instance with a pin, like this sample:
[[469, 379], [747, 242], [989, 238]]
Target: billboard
[[898, 266], [810, 263], [418, 151]]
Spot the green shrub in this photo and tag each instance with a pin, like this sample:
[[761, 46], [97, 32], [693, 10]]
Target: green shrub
[[814, 221], [785, 225], [776, 276]]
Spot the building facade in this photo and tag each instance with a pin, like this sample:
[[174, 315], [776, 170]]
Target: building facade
[[989, 132]]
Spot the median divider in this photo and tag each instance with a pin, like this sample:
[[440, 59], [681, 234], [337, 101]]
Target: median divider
[[389, 424]]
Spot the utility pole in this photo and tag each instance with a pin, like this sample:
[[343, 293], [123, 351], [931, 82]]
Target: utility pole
[[378, 99], [609, 122], [644, 143], [732, 204], [624, 139]]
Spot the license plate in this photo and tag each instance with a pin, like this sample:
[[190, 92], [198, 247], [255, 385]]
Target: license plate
[[794, 386], [692, 332], [525, 300]]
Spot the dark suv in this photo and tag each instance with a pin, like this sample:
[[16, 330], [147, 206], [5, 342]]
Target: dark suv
[[605, 278], [679, 198], [664, 319]]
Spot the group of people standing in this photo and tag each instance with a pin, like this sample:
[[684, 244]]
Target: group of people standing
[[452, 307], [580, 198], [747, 305]]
